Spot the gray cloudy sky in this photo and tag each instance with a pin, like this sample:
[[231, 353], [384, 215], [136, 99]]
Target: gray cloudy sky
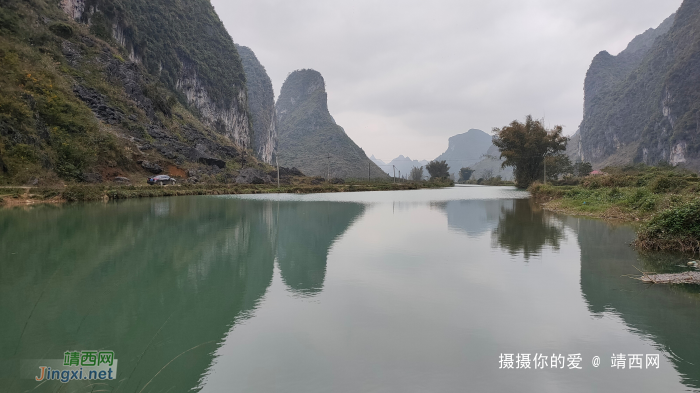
[[404, 76]]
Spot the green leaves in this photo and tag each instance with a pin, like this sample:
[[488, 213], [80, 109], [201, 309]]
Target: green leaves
[[525, 146], [438, 169]]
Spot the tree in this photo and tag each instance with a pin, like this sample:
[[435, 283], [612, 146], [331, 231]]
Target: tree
[[582, 169], [558, 165], [416, 174], [438, 170], [465, 174], [525, 146]]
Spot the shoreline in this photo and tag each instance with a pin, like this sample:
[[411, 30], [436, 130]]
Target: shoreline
[[28, 196], [663, 220]]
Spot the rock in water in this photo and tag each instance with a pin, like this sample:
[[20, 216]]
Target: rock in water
[[309, 138]]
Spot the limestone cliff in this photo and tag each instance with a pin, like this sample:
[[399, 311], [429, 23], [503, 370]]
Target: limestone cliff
[[96, 90], [643, 105], [261, 103], [185, 45], [465, 149], [309, 138]]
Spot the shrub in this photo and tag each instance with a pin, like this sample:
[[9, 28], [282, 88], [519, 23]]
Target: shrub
[[676, 228], [61, 29]]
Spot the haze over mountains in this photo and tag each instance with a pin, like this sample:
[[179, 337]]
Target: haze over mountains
[[641, 106], [402, 164], [96, 90]]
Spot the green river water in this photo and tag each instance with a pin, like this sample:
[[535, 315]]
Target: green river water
[[408, 291]]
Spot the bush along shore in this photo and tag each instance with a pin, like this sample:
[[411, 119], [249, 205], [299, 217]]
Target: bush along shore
[[664, 200], [14, 196]]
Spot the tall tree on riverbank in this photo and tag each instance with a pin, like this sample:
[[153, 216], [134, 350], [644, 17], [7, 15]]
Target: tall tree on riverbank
[[525, 146], [438, 170]]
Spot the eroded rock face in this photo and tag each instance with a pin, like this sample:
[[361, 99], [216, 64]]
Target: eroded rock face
[[218, 95], [74, 8], [253, 176], [98, 103], [309, 138], [151, 167], [641, 105], [231, 121], [261, 103]]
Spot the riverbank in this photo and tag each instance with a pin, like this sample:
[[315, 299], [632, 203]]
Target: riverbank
[[19, 196], [665, 201]]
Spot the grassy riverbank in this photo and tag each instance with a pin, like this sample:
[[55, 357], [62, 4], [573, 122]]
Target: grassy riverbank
[[105, 192], [664, 200]]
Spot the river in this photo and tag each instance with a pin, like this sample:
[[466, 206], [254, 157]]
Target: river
[[407, 291]]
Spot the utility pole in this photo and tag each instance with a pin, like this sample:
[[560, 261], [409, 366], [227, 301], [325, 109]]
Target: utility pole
[[545, 153], [369, 175], [545, 169], [393, 166], [328, 178], [278, 171]]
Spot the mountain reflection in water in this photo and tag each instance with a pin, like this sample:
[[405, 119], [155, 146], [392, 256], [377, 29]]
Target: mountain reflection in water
[[150, 280], [390, 291]]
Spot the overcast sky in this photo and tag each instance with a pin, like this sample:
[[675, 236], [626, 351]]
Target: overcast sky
[[404, 76]]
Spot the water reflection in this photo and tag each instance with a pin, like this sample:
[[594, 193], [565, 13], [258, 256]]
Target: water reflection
[[525, 228], [150, 281], [415, 296], [475, 217], [669, 315], [308, 231]]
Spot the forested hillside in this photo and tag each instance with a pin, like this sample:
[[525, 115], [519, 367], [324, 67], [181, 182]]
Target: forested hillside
[[92, 90]]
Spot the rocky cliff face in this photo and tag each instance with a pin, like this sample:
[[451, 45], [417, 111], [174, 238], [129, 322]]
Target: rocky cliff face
[[643, 105], [93, 90], [465, 149], [261, 103], [309, 138], [185, 45]]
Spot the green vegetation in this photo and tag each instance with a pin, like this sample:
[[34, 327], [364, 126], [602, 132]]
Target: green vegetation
[[49, 136], [87, 192], [664, 199], [261, 103], [169, 36], [673, 229], [416, 174], [465, 174], [438, 170], [45, 131], [643, 103], [525, 147]]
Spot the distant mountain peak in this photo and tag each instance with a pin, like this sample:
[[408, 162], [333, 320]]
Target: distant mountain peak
[[466, 149], [309, 138]]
